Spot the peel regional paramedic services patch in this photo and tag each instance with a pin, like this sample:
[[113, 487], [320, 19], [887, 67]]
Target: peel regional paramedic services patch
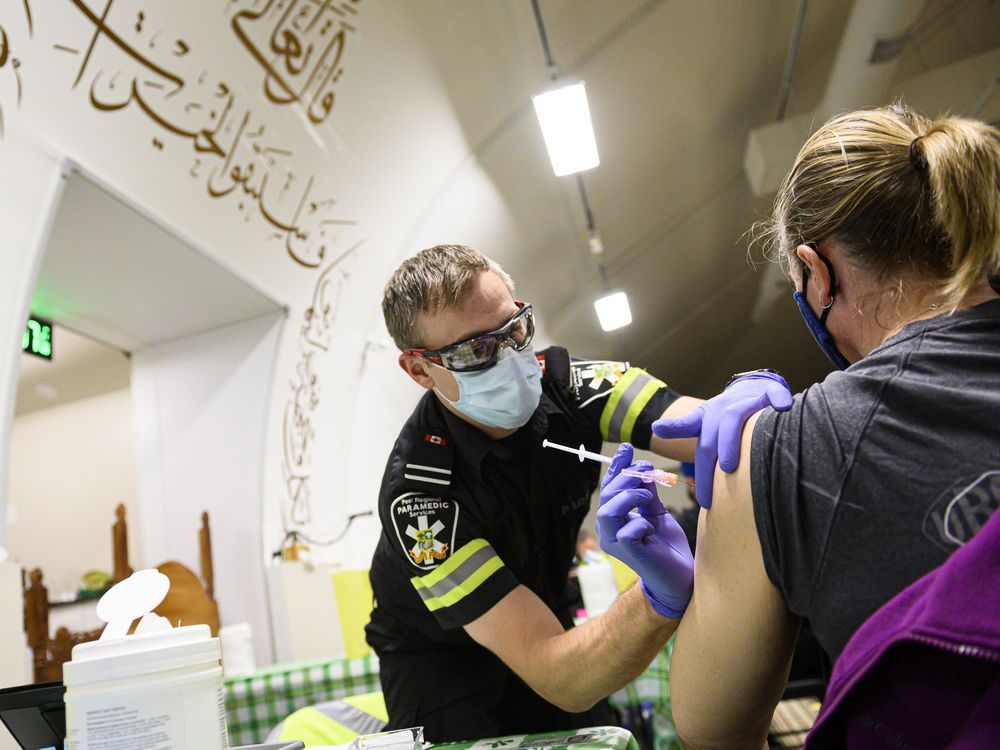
[[589, 375], [425, 527]]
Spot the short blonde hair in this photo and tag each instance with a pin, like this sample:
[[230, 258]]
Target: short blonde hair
[[431, 280], [901, 192]]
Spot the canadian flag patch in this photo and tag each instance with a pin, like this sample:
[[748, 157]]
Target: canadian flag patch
[[435, 439]]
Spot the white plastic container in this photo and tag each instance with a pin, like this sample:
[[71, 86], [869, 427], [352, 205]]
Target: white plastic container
[[237, 649], [597, 585], [157, 691]]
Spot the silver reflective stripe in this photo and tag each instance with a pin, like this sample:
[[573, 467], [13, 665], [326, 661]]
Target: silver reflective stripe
[[430, 480], [476, 560], [621, 408], [353, 718], [428, 468]]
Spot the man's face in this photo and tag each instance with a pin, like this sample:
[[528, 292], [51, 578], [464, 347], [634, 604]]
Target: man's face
[[486, 306]]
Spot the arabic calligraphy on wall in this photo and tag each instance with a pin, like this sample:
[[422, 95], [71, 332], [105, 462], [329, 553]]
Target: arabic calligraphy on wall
[[10, 63], [300, 45], [231, 148], [298, 432]]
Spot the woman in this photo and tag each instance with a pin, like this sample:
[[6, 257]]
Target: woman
[[889, 224]]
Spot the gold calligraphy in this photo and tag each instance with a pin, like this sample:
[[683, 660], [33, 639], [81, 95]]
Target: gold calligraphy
[[315, 337], [11, 63], [300, 45], [233, 152]]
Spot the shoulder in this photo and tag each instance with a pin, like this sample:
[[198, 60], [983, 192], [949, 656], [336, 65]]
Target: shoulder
[[420, 501], [424, 453]]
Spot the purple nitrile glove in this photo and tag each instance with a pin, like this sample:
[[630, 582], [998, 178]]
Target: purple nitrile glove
[[718, 425], [649, 541]]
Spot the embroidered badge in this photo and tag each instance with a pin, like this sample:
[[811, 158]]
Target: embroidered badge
[[425, 527], [590, 375]]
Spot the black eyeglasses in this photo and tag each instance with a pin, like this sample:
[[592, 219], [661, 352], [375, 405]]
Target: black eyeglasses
[[482, 352]]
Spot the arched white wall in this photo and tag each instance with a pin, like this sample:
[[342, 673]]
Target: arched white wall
[[201, 418], [170, 110]]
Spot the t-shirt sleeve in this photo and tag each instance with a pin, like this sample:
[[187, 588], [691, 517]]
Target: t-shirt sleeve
[[452, 566], [798, 461], [622, 400]]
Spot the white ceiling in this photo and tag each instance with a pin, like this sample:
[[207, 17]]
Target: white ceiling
[[114, 275], [674, 89], [80, 367]]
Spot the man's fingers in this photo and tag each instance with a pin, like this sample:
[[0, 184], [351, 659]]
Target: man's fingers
[[779, 396], [622, 458], [687, 426], [640, 498], [705, 457], [623, 481], [731, 436], [635, 531]]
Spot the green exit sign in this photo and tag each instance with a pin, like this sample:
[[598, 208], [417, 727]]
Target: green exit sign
[[38, 338]]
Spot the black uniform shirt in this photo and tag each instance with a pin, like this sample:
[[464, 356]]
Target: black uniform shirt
[[466, 518]]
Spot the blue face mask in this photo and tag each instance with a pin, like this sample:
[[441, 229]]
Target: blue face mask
[[503, 396], [817, 326]]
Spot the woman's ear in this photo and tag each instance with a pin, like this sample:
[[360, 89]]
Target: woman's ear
[[818, 273], [416, 368]]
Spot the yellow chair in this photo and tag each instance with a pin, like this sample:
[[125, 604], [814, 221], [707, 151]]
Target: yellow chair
[[353, 593]]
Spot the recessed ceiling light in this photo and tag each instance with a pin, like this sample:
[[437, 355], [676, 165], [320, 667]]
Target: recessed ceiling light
[[46, 392]]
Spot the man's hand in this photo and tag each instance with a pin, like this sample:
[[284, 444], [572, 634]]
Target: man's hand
[[649, 541], [718, 425]]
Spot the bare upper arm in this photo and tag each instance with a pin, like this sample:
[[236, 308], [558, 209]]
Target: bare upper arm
[[734, 645]]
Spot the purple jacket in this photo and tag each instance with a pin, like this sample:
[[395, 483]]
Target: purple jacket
[[922, 672]]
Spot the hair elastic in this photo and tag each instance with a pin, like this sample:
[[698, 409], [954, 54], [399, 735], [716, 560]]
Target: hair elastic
[[917, 157]]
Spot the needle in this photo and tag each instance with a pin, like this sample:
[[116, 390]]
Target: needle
[[665, 478]]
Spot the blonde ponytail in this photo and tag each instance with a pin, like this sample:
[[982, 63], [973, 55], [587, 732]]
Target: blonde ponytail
[[962, 163], [903, 194]]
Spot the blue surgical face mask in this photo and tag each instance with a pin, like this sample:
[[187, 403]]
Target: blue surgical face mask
[[817, 326], [503, 396]]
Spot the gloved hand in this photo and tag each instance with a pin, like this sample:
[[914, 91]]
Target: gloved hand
[[649, 541], [718, 425]]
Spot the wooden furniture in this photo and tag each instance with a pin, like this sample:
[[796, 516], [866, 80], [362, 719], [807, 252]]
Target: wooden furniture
[[190, 601]]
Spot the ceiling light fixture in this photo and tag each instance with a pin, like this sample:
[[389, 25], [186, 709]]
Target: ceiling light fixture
[[613, 311], [564, 116]]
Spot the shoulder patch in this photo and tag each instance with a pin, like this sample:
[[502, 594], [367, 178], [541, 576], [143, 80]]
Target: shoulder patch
[[425, 527], [590, 377]]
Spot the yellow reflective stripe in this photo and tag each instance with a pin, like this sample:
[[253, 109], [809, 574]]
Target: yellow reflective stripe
[[448, 566], [616, 393], [467, 586], [636, 407]]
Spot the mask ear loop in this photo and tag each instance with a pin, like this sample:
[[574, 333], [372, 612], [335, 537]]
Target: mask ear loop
[[833, 282]]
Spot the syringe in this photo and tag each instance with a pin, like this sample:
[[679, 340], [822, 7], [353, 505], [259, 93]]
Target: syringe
[[666, 478]]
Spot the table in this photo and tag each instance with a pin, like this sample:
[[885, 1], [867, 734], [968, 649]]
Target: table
[[257, 702], [652, 690], [594, 738]]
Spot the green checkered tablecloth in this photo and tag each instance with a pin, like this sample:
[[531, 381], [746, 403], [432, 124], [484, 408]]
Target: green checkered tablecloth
[[255, 703], [652, 689], [596, 738]]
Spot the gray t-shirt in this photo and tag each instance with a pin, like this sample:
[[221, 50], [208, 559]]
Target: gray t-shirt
[[881, 471]]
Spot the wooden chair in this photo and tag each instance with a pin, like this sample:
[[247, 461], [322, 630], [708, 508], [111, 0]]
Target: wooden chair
[[190, 601]]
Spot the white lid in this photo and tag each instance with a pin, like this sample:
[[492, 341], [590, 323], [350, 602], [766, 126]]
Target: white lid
[[237, 630], [138, 655]]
